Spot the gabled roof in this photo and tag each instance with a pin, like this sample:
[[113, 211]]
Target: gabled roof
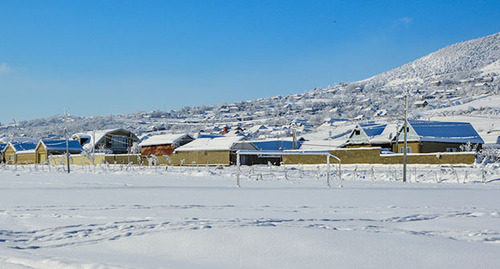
[[2, 146], [60, 145], [367, 132], [22, 146], [257, 128], [274, 144], [321, 144], [372, 129], [164, 139], [208, 135], [219, 143], [386, 136], [99, 135], [451, 132]]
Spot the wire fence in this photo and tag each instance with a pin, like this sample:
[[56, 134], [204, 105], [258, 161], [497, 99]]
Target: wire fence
[[297, 173]]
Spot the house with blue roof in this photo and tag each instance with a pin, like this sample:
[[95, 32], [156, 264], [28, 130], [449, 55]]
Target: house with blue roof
[[19, 153], [434, 136], [276, 144], [47, 147]]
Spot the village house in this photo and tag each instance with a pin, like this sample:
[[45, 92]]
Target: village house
[[212, 151], [271, 145], [421, 104], [46, 148], [19, 153], [114, 141], [164, 144], [434, 136]]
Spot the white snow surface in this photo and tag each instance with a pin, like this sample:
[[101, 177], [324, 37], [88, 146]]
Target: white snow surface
[[179, 217], [162, 139]]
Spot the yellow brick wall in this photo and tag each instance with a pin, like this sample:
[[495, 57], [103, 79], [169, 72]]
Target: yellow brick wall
[[348, 156], [76, 159], [201, 157], [415, 147], [25, 158], [373, 156]]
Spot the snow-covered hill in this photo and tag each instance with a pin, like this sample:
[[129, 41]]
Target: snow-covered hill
[[450, 77], [475, 60]]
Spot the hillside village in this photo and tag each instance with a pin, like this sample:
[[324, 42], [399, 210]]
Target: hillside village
[[456, 143], [344, 119]]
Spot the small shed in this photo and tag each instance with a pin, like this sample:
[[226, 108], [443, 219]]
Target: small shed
[[47, 147], [164, 144]]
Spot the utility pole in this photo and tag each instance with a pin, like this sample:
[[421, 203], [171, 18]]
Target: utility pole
[[294, 142], [93, 149], [67, 142], [405, 136]]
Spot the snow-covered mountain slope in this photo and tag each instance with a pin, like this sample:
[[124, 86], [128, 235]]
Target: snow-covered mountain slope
[[450, 77], [473, 59]]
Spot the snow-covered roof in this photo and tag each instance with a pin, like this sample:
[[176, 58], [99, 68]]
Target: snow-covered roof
[[321, 144], [60, 145], [451, 132], [207, 135], [23, 146], [372, 129], [274, 144], [163, 139], [386, 136], [370, 133], [257, 128], [18, 140], [218, 143], [99, 135]]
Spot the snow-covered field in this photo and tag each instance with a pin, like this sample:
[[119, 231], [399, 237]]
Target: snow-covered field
[[125, 217]]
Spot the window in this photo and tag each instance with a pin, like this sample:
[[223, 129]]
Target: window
[[357, 132], [119, 141], [408, 149], [451, 149]]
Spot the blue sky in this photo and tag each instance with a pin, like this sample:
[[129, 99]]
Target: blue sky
[[115, 57]]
